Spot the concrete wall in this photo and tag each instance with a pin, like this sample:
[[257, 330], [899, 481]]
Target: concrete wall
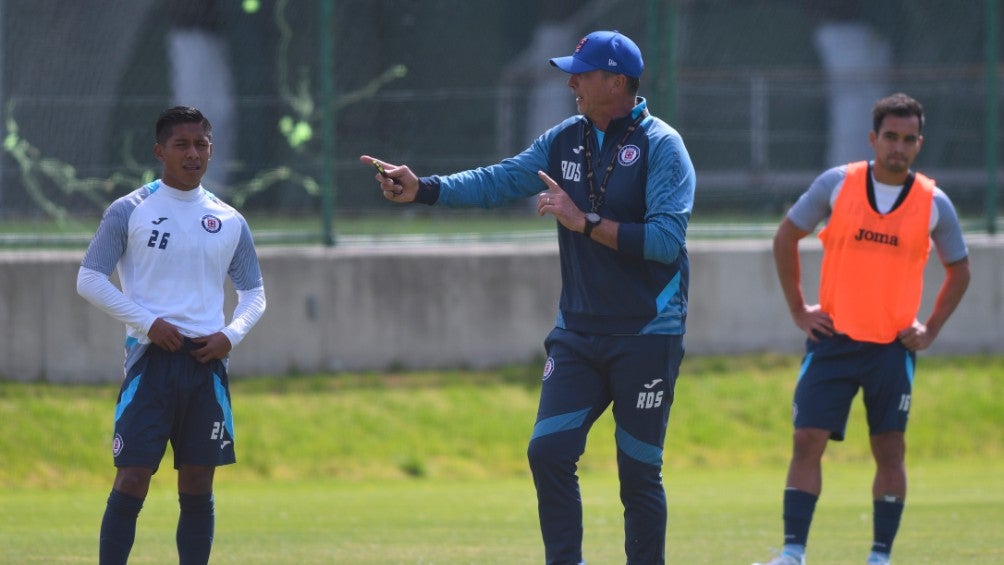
[[440, 307]]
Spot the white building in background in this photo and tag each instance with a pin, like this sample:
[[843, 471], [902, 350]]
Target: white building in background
[[201, 76], [857, 62]]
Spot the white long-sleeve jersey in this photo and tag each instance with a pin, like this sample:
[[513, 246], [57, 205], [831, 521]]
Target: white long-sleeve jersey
[[173, 250]]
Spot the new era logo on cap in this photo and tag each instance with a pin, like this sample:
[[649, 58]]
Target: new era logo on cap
[[606, 50]]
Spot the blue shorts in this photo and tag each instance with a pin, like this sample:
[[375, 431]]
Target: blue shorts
[[172, 397], [584, 374], [833, 370]]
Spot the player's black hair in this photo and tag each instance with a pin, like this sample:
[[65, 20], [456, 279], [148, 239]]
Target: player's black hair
[[898, 104], [181, 115]]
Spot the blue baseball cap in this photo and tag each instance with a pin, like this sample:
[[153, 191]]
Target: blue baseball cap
[[607, 50]]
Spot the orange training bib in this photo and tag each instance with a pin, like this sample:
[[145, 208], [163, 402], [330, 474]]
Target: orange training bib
[[873, 264]]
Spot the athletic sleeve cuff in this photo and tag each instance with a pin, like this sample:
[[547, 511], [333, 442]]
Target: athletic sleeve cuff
[[428, 190], [631, 239]]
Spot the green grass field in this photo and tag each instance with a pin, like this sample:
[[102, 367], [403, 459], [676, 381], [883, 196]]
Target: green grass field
[[430, 468]]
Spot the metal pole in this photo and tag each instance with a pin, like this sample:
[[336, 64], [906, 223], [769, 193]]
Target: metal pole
[[991, 121], [652, 30], [3, 100], [661, 41], [327, 121], [759, 120], [669, 63]]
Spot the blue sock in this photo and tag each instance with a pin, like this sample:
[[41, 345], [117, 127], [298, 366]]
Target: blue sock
[[798, 509], [118, 528], [195, 528], [885, 523]]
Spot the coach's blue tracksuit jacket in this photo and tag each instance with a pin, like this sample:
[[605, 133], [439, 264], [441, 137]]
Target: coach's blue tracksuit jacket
[[640, 289]]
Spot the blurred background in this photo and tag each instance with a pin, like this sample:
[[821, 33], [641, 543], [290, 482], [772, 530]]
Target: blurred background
[[766, 93]]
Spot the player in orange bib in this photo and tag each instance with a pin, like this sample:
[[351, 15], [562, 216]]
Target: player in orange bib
[[864, 333]]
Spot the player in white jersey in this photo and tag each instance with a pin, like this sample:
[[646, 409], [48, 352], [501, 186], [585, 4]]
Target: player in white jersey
[[174, 244]]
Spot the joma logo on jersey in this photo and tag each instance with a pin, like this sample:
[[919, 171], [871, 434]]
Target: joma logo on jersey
[[571, 170], [883, 238]]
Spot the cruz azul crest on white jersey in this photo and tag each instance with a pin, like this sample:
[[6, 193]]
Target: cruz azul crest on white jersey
[[211, 223]]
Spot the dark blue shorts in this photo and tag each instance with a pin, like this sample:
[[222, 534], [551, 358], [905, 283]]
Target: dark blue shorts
[[835, 368], [584, 374], [172, 397]]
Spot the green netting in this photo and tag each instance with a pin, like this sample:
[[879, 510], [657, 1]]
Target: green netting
[[766, 93]]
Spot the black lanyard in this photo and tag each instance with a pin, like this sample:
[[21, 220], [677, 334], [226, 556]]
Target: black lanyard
[[596, 199]]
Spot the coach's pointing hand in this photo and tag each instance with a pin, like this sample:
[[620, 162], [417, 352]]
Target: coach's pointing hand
[[397, 182], [556, 202]]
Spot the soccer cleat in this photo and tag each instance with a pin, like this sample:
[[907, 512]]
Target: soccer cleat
[[784, 559], [878, 559]]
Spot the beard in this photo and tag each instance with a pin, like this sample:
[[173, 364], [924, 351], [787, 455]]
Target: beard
[[896, 164]]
